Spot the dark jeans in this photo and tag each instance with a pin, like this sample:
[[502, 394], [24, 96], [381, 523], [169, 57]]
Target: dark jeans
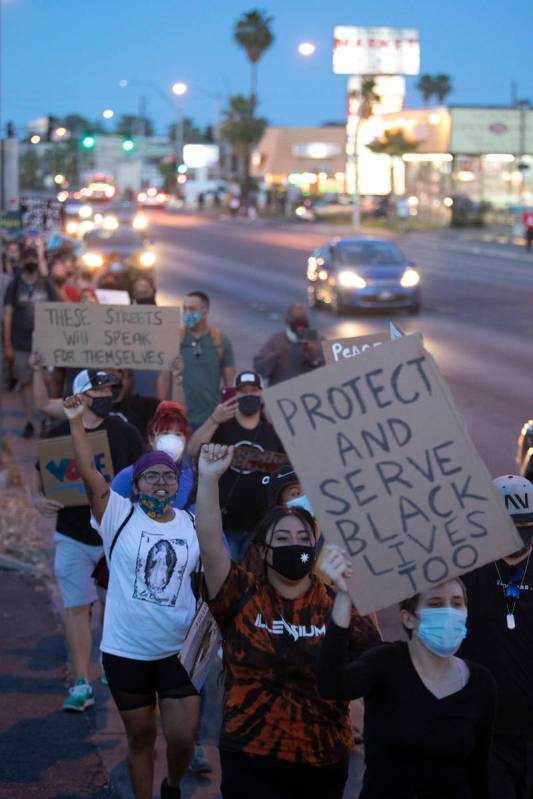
[[511, 770], [249, 777]]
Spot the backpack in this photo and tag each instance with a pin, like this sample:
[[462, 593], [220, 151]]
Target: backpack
[[216, 335]]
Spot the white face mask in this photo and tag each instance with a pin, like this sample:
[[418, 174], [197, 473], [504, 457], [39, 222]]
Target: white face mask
[[291, 335], [171, 443]]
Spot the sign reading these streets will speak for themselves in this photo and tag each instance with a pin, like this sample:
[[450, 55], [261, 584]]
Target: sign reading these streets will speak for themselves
[[391, 472], [91, 336]]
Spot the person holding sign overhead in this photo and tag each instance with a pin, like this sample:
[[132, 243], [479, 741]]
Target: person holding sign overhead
[[428, 713], [279, 738], [78, 547], [501, 637], [152, 552]]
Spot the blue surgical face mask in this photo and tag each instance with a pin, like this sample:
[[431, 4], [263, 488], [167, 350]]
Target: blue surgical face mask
[[192, 318], [301, 502], [442, 630]]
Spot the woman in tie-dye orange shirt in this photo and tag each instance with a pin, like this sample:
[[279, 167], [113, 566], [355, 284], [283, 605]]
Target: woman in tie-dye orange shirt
[[279, 738]]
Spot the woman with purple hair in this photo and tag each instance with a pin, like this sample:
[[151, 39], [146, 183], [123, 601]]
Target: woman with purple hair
[[151, 549]]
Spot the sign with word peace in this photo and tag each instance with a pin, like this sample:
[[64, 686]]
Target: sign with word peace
[[391, 472], [91, 336], [339, 349], [59, 471]]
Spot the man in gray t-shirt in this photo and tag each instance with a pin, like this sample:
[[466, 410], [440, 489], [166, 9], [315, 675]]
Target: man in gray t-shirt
[[208, 361]]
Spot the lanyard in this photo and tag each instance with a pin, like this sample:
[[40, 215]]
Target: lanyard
[[513, 591]]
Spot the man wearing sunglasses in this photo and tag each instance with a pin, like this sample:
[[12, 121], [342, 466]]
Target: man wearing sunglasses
[[78, 545], [500, 637]]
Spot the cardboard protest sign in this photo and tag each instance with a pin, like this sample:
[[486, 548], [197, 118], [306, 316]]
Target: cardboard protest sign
[[59, 471], [340, 349], [395, 332], [391, 472], [91, 336], [248, 458], [41, 213], [112, 297], [200, 646]]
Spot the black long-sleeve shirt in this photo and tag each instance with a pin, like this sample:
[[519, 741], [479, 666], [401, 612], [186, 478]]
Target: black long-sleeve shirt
[[417, 746]]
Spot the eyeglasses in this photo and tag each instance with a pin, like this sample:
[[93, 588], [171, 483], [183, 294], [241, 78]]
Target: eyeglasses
[[152, 478]]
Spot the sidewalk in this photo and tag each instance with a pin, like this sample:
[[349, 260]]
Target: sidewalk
[[52, 754], [47, 753]]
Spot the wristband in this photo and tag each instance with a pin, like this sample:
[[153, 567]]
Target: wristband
[[214, 420]]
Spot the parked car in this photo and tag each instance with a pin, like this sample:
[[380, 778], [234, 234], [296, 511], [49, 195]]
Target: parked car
[[362, 273], [330, 205], [123, 254]]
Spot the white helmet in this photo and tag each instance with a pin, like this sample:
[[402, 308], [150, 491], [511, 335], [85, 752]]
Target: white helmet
[[517, 493]]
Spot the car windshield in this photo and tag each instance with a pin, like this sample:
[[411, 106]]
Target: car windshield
[[368, 253], [119, 238]]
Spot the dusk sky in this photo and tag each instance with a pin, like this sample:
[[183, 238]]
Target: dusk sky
[[62, 56]]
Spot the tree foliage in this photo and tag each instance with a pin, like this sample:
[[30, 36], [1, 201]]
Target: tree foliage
[[134, 125], [253, 32], [438, 86]]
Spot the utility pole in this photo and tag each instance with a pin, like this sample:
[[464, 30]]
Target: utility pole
[[524, 106]]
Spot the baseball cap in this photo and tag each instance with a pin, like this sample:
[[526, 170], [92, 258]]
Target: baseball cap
[[88, 379], [517, 493], [276, 482], [248, 379]]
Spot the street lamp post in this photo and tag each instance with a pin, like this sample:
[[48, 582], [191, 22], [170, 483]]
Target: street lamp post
[[179, 89]]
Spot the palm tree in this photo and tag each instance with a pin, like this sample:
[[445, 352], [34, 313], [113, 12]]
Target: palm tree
[[426, 87], [367, 95], [242, 129], [394, 144], [253, 32], [442, 86]]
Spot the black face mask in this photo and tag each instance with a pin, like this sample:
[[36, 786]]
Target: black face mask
[[31, 267], [249, 405], [59, 281], [294, 561], [145, 300], [101, 406]]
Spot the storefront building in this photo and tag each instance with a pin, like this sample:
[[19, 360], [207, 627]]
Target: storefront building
[[311, 160]]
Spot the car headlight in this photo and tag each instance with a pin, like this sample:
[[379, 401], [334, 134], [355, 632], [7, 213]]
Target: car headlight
[[85, 212], [147, 259], [72, 228], [110, 222], [410, 278], [351, 280], [140, 222], [92, 260], [301, 211]]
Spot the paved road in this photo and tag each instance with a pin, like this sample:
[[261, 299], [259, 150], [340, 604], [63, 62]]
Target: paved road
[[476, 316]]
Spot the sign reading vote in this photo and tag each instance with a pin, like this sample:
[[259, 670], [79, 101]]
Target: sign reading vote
[[391, 472], [59, 470], [91, 336]]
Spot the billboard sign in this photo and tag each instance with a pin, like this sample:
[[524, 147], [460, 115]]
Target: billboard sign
[[480, 131], [375, 51]]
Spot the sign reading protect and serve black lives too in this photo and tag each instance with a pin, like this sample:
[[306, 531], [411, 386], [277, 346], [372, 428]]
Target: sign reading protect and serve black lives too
[[92, 336], [391, 472]]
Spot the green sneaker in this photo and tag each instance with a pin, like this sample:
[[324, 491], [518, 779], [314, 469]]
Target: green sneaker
[[80, 696]]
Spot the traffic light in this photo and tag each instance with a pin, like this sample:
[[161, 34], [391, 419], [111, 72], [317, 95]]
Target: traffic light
[[88, 142], [128, 145]]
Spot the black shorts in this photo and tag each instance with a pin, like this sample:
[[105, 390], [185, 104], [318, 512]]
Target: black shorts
[[245, 776], [137, 683]]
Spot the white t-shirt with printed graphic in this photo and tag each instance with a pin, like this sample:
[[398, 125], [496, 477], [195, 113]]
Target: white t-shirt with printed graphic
[[150, 603]]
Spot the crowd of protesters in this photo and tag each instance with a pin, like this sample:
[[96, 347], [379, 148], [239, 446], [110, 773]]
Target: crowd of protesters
[[448, 710]]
